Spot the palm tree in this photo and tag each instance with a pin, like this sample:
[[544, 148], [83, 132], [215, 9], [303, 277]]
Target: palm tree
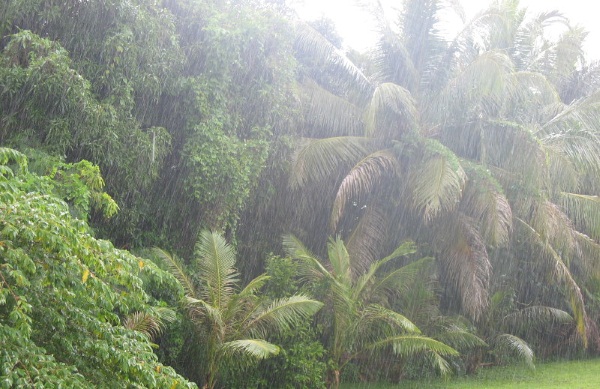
[[467, 146], [234, 322], [357, 300]]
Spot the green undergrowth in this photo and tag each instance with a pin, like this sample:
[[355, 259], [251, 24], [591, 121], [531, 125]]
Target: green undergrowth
[[569, 375]]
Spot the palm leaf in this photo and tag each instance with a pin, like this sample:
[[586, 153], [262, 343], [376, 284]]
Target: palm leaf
[[375, 313], [391, 112], [339, 260], [367, 237], [254, 285], [281, 314], [310, 267], [466, 264], [327, 113], [584, 210], [563, 274], [536, 316], [484, 201], [514, 346], [367, 174], [389, 278], [460, 339], [216, 261], [437, 183], [255, 348], [398, 280], [200, 310], [319, 158], [409, 345], [176, 268], [311, 42]]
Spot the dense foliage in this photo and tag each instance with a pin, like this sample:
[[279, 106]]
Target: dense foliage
[[239, 118], [63, 293]]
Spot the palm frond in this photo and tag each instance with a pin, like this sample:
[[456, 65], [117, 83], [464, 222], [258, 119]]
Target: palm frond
[[584, 210], [281, 314], [466, 265], [200, 310], [389, 280], [254, 285], [409, 345], [327, 113], [391, 112], [144, 322], [368, 237], [437, 183], [367, 174], [216, 261], [536, 316], [340, 260], [563, 275], [176, 268], [484, 201], [460, 339], [255, 348], [398, 280], [315, 46], [581, 116], [514, 346], [310, 267], [375, 313], [319, 158]]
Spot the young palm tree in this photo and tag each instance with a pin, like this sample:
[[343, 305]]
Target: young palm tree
[[234, 322], [356, 301]]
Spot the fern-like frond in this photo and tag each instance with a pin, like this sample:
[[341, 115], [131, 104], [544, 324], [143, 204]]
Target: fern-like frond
[[398, 280], [339, 260], [144, 322], [312, 44], [309, 267], [202, 311], [389, 280], [460, 339]]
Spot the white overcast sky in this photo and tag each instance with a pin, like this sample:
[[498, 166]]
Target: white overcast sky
[[352, 24]]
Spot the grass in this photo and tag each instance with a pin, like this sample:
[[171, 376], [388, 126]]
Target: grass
[[568, 375]]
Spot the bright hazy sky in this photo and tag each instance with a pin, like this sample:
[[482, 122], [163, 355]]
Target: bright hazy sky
[[353, 25]]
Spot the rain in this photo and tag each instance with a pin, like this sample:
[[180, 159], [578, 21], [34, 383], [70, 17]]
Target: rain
[[210, 194]]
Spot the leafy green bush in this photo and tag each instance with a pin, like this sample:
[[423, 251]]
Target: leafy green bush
[[63, 295]]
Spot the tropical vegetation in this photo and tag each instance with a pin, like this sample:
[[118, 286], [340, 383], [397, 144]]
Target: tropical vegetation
[[207, 193]]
